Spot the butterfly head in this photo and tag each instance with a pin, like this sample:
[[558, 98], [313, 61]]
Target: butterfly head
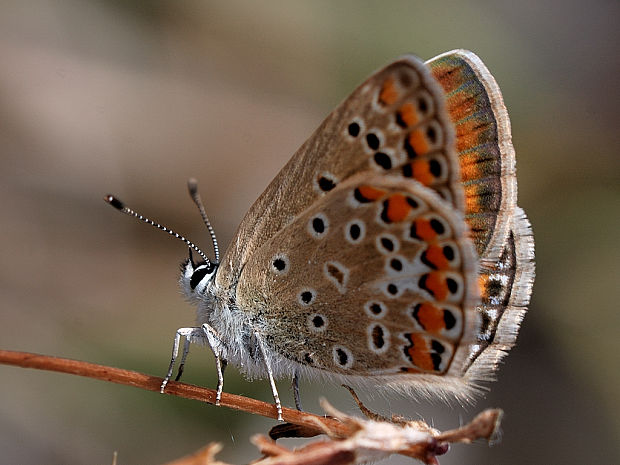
[[196, 277]]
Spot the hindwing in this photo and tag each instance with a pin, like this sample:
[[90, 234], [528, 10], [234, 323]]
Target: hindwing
[[378, 279]]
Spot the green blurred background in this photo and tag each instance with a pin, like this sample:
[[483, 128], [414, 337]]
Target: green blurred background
[[134, 97]]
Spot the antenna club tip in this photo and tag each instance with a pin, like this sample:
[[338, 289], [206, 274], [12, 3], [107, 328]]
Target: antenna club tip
[[192, 185], [116, 203]]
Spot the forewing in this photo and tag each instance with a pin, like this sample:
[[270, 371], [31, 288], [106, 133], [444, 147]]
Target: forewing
[[377, 279], [395, 123], [484, 145]]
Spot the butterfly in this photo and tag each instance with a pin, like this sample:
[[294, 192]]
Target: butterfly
[[389, 252]]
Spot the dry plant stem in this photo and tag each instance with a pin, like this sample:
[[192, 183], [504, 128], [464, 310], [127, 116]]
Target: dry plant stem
[[153, 383], [352, 441], [484, 425]]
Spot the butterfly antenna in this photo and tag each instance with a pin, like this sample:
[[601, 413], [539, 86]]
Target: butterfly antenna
[[192, 185], [120, 206]]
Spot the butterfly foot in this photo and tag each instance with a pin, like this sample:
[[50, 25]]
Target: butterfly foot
[[220, 365], [163, 385], [218, 392]]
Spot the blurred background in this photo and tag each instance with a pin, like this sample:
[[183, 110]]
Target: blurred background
[[134, 97]]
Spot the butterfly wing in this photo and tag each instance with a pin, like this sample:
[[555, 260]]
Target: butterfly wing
[[395, 136], [394, 123], [500, 230], [506, 287], [378, 281], [484, 145]]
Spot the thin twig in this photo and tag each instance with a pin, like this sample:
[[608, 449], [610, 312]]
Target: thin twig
[[153, 383], [372, 440], [352, 440]]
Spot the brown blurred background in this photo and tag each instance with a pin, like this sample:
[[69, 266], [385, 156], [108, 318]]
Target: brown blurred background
[[134, 97]]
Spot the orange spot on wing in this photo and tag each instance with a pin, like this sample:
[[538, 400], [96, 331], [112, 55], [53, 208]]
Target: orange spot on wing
[[469, 164], [418, 142], [408, 114], [435, 255], [483, 279], [461, 105], [436, 284], [419, 353], [389, 92], [473, 132], [449, 76], [423, 229], [371, 193], [431, 318], [421, 172], [397, 208], [472, 203]]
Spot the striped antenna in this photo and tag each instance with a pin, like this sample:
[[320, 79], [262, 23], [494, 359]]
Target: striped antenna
[[120, 206], [192, 186]]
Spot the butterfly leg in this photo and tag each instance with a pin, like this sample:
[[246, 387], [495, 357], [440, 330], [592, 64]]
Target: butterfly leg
[[220, 386], [272, 382], [296, 391], [188, 334], [220, 363], [183, 359]]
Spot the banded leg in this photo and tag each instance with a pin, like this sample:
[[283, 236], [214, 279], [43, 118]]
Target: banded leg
[[214, 342], [188, 334], [272, 382]]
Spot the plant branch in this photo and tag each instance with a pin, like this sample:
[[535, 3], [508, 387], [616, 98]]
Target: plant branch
[[153, 383], [351, 441]]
